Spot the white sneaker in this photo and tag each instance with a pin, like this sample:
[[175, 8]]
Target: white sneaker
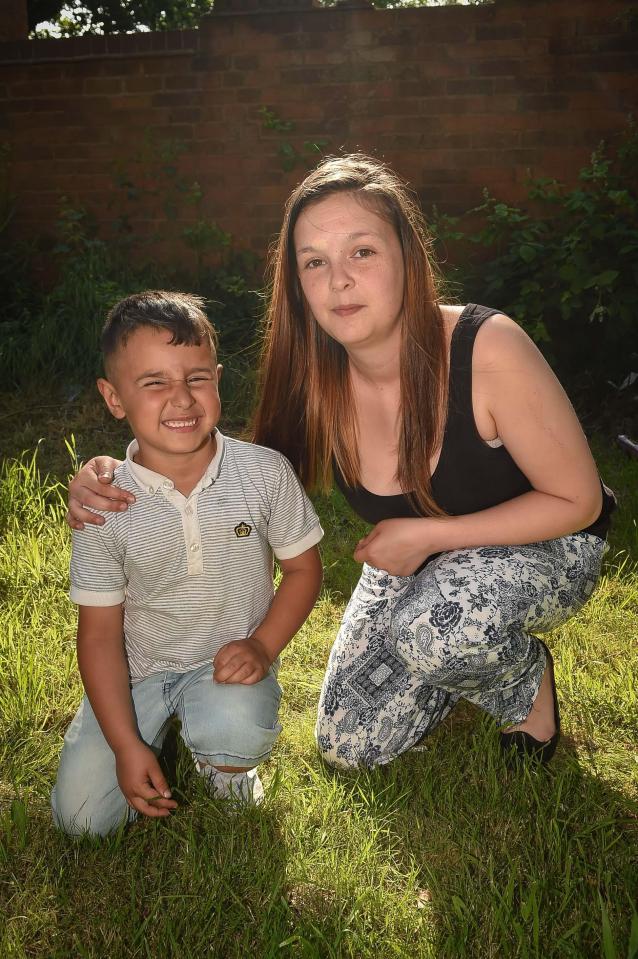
[[246, 789]]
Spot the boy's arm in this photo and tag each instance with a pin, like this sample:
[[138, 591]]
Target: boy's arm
[[248, 660], [102, 663]]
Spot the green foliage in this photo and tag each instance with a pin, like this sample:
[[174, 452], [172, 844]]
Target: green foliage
[[28, 502], [149, 183], [19, 302], [72, 18], [271, 121], [54, 336], [306, 155], [228, 278], [566, 266], [57, 335], [18, 296]]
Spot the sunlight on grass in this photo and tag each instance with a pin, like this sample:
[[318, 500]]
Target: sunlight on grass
[[441, 854]]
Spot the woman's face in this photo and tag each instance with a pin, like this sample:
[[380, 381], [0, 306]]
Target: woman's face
[[350, 266]]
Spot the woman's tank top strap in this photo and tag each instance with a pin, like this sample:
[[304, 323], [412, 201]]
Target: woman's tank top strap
[[461, 348]]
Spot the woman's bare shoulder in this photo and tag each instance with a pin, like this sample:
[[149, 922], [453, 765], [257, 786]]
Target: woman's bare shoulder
[[500, 338]]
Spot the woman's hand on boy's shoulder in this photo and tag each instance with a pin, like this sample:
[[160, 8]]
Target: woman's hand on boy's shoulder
[[91, 489], [241, 661]]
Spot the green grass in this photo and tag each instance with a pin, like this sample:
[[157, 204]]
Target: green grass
[[441, 854]]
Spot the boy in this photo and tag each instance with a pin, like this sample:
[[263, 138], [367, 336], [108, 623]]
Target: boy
[[176, 608]]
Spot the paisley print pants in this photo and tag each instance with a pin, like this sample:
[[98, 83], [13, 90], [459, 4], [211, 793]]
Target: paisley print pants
[[409, 647]]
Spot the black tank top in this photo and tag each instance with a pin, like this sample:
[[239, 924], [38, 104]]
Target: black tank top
[[471, 475]]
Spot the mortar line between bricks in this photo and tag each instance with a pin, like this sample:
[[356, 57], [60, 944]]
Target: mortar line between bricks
[[150, 55]]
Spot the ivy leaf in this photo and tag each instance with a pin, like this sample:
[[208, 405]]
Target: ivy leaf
[[606, 278], [527, 252]]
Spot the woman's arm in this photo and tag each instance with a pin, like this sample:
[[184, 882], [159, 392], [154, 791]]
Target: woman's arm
[[515, 391], [91, 487]]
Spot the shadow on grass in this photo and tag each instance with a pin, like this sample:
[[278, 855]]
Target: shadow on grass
[[535, 863], [201, 883], [208, 881], [443, 853]]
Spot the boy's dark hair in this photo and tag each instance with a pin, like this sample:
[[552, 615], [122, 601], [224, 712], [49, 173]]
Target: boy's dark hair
[[182, 314]]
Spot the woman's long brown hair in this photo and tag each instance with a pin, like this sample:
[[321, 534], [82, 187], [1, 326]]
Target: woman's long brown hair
[[305, 408]]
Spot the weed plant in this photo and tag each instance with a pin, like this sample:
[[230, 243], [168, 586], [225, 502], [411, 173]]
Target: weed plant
[[441, 854], [563, 265], [53, 337]]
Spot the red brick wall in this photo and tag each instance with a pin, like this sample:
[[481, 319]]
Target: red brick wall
[[13, 20], [455, 98]]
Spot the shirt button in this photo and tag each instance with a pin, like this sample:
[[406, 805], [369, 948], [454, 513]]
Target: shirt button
[[188, 510], [149, 489], [167, 484], [194, 547]]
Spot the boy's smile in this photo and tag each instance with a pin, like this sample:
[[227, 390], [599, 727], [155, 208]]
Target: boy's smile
[[170, 397]]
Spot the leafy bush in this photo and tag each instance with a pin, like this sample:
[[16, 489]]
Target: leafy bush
[[55, 335], [566, 267], [19, 302], [19, 298]]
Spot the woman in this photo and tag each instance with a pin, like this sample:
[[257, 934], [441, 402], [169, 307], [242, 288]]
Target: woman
[[446, 429]]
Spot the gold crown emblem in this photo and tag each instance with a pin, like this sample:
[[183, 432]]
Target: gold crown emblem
[[242, 530]]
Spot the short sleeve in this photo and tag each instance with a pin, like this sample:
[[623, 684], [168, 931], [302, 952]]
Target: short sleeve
[[97, 567], [293, 526]]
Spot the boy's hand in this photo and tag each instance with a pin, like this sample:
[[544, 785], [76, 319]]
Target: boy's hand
[[242, 661], [142, 780]]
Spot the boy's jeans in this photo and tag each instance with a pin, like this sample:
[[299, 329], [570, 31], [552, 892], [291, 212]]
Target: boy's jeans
[[222, 725]]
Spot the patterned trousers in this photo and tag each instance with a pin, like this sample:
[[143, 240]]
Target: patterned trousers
[[409, 647]]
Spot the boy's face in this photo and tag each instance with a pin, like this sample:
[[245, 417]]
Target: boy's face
[[169, 394]]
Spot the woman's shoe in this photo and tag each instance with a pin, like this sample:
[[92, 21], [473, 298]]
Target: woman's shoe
[[517, 745]]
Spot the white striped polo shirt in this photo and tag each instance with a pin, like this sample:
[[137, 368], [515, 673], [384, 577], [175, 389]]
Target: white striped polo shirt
[[196, 572]]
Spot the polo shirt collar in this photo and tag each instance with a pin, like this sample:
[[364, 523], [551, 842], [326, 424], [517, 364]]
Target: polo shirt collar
[[151, 481]]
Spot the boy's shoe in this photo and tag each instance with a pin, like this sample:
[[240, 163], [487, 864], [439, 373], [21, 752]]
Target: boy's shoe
[[245, 789]]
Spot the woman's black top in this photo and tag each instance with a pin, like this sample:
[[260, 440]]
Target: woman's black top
[[471, 475]]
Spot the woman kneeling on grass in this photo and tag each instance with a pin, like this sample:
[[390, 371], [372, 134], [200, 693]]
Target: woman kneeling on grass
[[445, 428]]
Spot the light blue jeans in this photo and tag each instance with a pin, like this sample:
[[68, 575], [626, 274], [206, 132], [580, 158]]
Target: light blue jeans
[[222, 725]]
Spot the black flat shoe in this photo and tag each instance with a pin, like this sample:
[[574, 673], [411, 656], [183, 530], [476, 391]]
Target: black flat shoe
[[517, 745]]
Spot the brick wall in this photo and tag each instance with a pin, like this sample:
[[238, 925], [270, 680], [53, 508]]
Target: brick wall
[[13, 20], [456, 98]]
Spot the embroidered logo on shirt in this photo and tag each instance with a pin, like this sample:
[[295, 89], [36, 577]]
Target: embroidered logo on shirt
[[243, 530]]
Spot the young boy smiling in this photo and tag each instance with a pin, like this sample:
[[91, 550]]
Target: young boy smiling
[[177, 613]]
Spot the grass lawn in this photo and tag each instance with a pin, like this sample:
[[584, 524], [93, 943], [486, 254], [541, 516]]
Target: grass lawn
[[441, 854]]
